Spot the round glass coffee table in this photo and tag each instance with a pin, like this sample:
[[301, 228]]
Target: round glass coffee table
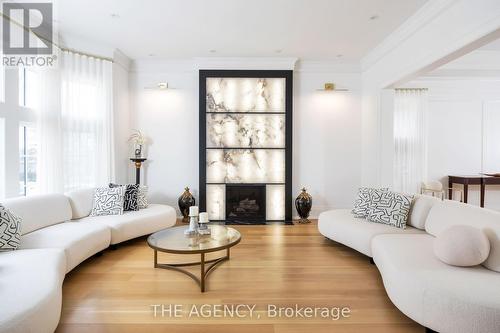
[[173, 240]]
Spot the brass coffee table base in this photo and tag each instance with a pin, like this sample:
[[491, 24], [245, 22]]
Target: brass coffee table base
[[203, 273]]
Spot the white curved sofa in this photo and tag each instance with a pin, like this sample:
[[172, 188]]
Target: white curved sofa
[[31, 290], [441, 297], [57, 234]]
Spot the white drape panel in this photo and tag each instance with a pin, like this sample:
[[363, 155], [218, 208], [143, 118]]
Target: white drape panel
[[76, 132], [49, 159], [410, 139], [87, 121]]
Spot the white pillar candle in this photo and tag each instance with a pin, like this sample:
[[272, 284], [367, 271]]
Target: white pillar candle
[[193, 211], [203, 218]]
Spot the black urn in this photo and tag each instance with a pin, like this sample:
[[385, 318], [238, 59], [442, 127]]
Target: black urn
[[185, 201], [303, 204]]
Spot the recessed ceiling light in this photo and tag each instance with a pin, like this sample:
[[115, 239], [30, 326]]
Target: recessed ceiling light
[[374, 17], [151, 55], [114, 15], [212, 51], [278, 51], [339, 55]]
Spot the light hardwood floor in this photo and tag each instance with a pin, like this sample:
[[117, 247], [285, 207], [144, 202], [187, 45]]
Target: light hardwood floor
[[275, 264]]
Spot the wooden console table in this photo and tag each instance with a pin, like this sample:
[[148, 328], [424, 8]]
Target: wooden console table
[[481, 180]]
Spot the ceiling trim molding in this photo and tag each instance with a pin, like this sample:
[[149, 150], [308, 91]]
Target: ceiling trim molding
[[476, 60], [195, 64], [246, 63], [326, 66], [162, 66], [461, 74], [426, 13]]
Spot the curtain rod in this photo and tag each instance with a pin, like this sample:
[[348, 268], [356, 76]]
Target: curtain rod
[[62, 48]]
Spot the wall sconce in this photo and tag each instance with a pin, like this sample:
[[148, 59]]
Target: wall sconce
[[159, 86], [330, 87]]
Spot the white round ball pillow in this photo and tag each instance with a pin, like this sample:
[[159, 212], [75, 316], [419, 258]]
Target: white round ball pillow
[[462, 245]]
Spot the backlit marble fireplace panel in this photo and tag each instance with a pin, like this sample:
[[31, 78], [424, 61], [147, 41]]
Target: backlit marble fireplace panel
[[246, 130], [245, 138], [246, 166], [245, 94]]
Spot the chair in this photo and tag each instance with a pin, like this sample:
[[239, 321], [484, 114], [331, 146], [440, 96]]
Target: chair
[[435, 188]]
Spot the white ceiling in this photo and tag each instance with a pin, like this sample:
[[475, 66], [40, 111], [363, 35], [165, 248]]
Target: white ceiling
[[308, 29]]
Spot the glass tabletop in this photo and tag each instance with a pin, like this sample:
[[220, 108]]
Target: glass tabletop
[[174, 240]]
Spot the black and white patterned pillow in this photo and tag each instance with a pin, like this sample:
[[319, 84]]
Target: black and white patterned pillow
[[108, 201], [131, 195], [10, 230], [142, 197], [364, 201], [391, 208], [375, 196]]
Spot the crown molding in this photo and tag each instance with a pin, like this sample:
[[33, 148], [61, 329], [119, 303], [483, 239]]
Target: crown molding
[[247, 63], [149, 65], [194, 64], [326, 66], [426, 13]]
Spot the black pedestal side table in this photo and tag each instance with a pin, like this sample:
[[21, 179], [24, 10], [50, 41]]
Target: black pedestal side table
[[138, 163]]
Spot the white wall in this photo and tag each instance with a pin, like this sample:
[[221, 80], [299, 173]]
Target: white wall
[[457, 130], [169, 119], [326, 136]]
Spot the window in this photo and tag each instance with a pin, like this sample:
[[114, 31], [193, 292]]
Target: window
[[410, 139], [29, 87], [28, 148], [82, 120]]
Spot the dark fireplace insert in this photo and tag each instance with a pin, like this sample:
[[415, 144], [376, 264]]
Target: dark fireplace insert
[[246, 203]]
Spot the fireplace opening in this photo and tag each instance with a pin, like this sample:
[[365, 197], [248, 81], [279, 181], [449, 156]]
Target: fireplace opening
[[246, 203]]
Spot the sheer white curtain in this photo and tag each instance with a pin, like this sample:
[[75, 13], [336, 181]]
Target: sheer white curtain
[[49, 159], [76, 125], [410, 139], [87, 121]]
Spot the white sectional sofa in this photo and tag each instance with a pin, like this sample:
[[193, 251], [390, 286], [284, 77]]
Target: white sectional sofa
[[57, 235], [440, 297]]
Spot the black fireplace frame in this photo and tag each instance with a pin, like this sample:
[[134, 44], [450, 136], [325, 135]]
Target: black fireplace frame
[[288, 76], [250, 185]]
